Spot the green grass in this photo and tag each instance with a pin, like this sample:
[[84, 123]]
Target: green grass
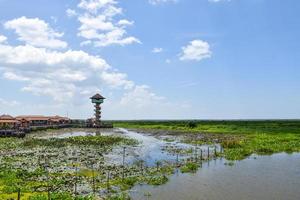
[[189, 168], [157, 180], [13, 143], [239, 139], [21, 164], [232, 127]]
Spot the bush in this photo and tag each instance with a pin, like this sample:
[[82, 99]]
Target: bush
[[191, 124], [189, 167]]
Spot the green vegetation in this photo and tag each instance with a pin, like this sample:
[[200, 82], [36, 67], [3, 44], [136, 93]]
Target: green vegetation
[[157, 180], [38, 168], [239, 139], [230, 127], [189, 168], [79, 141]]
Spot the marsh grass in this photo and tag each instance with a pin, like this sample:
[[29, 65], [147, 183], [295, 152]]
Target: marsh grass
[[239, 139], [189, 167]]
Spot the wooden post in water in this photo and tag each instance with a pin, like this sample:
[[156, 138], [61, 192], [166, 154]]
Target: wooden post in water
[[93, 180], [46, 164], [75, 184], [157, 165], [215, 151], [196, 154], [123, 163], [177, 160], [208, 153], [107, 181], [141, 165], [201, 155]]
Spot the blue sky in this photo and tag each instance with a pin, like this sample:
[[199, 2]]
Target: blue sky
[[152, 59]]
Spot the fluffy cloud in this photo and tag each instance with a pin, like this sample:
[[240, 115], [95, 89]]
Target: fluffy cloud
[[2, 38], [60, 75], [36, 32], [145, 104], [99, 26], [196, 50], [156, 2], [95, 5], [71, 77], [141, 96], [71, 13], [157, 50]]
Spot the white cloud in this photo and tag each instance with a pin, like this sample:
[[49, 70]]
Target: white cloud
[[67, 76], [2, 39], [196, 50], [140, 96], [60, 75], [71, 77], [12, 76], [157, 50], [99, 25], [5, 103], [94, 5], [116, 79], [125, 22], [36, 32], [157, 2], [85, 43], [145, 104], [71, 13]]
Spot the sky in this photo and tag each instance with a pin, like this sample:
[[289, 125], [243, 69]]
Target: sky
[[151, 59]]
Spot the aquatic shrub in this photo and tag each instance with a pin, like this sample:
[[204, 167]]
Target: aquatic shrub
[[122, 196], [79, 141], [237, 153], [157, 180], [191, 124], [233, 143], [128, 183], [189, 167]]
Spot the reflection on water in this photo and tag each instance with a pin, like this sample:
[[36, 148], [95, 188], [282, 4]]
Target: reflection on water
[[264, 177]]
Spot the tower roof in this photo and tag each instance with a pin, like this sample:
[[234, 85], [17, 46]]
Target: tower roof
[[97, 96]]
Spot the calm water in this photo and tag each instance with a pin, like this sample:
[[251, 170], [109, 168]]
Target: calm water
[[266, 177]]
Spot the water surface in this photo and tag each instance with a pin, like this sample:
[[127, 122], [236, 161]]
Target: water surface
[[263, 177]]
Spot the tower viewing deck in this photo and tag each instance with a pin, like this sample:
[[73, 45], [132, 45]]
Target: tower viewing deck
[[97, 99]]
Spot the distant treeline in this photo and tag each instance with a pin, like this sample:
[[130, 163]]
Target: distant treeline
[[216, 126]]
